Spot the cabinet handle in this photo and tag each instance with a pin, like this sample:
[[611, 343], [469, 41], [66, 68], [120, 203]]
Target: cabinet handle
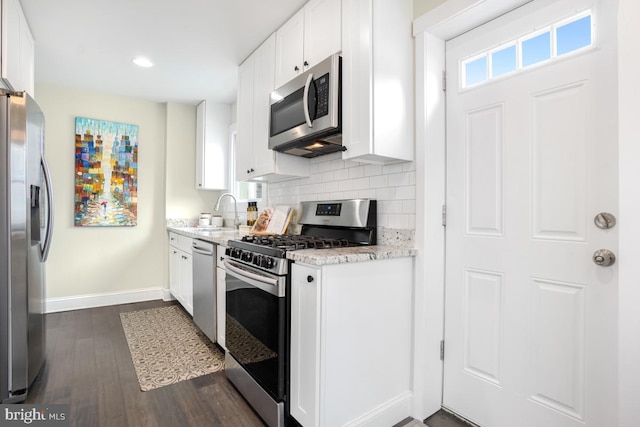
[[309, 279], [296, 68], [221, 258], [306, 64]]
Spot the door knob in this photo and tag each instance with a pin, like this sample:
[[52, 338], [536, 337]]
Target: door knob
[[604, 257]]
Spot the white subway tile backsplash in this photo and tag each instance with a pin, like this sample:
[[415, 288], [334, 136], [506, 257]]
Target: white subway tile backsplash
[[328, 176], [367, 194], [324, 166], [390, 207], [398, 179], [378, 181], [346, 185], [389, 169], [370, 170], [341, 174], [333, 178], [332, 186], [361, 183], [356, 172]]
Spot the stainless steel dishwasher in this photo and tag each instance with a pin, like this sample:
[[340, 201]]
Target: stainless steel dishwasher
[[204, 287]]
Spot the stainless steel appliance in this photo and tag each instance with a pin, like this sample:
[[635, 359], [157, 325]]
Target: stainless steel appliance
[[306, 117], [204, 287], [258, 310], [26, 224]]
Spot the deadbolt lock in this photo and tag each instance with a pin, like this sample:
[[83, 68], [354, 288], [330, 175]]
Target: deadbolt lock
[[604, 257], [604, 220]]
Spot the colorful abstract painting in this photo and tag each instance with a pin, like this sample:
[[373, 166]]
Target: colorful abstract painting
[[106, 173]]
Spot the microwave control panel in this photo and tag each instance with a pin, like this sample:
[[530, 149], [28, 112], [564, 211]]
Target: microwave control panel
[[322, 93]]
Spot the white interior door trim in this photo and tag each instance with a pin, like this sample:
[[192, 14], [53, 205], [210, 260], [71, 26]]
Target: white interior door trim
[[431, 31]]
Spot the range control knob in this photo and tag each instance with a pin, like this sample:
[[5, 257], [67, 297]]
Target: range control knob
[[267, 262], [236, 253], [227, 251], [247, 256], [257, 260]]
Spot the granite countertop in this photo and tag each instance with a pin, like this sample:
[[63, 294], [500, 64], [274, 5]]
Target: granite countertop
[[306, 256], [353, 254], [218, 236]]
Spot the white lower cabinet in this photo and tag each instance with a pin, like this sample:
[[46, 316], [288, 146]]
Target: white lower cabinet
[[181, 270], [351, 327]]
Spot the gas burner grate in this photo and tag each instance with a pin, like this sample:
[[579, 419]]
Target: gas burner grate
[[291, 242]]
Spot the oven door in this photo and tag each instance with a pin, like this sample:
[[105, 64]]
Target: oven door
[[255, 331]]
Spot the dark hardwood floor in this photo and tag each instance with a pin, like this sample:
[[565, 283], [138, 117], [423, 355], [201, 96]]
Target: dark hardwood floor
[[89, 367]]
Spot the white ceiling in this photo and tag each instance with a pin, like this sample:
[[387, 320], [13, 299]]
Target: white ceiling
[[196, 45]]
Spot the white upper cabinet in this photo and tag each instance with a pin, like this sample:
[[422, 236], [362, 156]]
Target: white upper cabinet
[[377, 81], [17, 53], [212, 146], [254, 160], [308, 37]]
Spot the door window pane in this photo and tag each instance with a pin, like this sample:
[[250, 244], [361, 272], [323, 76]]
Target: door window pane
[[536, 49], [503, 61], [574, 35], [475, 71]]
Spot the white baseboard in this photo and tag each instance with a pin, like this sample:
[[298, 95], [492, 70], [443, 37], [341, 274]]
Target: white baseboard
[[79, 302], [387, 414]]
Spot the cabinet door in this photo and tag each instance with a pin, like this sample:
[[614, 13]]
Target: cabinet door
[[186, 281], [201, 111], [17, 49], [212, 131], [263, 157], [322, 30], [11, 47], [377, 54], [244, 137], [221, 306], [289, 49], [305, 344], [27, 53], [174, 272]]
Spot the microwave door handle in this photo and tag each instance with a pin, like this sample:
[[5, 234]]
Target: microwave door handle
[[305, 100]]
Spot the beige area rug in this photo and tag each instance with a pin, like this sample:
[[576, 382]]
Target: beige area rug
[[167, 347]]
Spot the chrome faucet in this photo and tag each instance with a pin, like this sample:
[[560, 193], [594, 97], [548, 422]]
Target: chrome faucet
[[236, 219]]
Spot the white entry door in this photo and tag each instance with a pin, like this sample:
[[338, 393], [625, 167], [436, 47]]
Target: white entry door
[[530, 319]]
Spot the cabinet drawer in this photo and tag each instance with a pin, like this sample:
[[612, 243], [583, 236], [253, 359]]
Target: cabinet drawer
[[220, 258], [184, 243], [173, 239]]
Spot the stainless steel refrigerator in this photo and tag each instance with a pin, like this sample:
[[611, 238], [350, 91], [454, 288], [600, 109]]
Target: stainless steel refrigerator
[[26, 224]]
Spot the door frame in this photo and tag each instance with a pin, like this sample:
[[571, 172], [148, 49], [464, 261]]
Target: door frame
[[452, 18]]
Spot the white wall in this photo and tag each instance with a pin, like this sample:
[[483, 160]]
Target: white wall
[[103, 260], [420, 7], [91, 266], [394, 186]]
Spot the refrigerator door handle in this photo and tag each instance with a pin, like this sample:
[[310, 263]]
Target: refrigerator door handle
[[47, 182]]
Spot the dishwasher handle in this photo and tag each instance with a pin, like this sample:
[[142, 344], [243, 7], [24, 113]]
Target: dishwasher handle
[[202, 247]]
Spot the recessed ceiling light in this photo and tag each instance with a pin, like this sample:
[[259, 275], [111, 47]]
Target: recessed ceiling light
[[142, 62]]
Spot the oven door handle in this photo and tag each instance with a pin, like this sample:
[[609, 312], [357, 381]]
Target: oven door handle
[[267, 284]]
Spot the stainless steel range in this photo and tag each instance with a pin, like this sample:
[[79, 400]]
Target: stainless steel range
[[258, 309]]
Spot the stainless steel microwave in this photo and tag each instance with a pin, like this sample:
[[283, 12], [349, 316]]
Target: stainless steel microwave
[[305, 118]]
